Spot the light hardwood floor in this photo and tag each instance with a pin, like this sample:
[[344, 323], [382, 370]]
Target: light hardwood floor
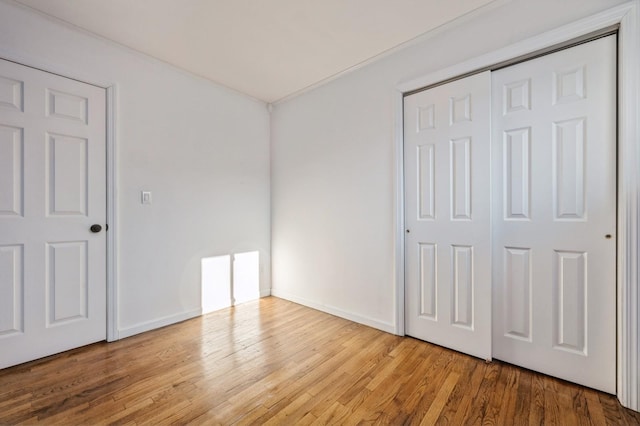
[[275, 362]]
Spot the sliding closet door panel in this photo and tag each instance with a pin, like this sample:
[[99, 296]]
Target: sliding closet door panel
[[447, 241], [554, 214]]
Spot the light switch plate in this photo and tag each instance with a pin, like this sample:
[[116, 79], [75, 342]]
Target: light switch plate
[[145, 197]]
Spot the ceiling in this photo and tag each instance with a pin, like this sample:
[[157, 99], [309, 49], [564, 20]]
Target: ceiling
[[268, 49]]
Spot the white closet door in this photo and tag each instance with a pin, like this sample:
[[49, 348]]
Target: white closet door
[[52, 190], [447, 244], [554, 214]]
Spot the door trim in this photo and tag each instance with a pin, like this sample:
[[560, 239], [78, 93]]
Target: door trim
[[113, 332], [626, 18], [111, 90]]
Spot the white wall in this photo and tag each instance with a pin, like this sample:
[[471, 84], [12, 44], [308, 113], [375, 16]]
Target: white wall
[[333, 164], [202, 149]]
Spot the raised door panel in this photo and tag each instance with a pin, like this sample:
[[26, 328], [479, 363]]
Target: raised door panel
[[517, 294], [11, 171], [426, 183], [67, 177], [426, 117], [569, 85], [459, 109], [516, 167], [516, 96], [428, 281], [568, 169], [11, 93], [11, 289], [462, 286], [67, 281], [570, 311], [461, 178], [67, 106]]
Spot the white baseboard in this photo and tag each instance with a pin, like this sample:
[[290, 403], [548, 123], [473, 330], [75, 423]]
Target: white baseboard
[[168, 320], [360, 319], [265, 292], [157, 323]]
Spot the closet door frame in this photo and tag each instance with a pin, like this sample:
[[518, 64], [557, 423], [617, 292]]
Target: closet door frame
[[625, 21]]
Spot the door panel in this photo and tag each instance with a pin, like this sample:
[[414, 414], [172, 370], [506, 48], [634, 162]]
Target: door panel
[[517, 297], [11, 171], [447, 244], [554, 203], [11, 301], [67, 281], [52, 189], [66, 175]]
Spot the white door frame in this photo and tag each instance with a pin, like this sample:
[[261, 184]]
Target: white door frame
[[111, 178], [112, 216], [627, 18]]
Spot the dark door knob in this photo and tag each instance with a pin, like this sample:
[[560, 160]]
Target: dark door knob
[[96, 228]]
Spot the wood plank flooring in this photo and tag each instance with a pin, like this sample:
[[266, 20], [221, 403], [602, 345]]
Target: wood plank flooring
[[274, 362]]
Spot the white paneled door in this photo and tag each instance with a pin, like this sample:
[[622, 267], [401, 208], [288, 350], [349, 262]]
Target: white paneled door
[[52, 190], [554, 214], [447, 215]]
